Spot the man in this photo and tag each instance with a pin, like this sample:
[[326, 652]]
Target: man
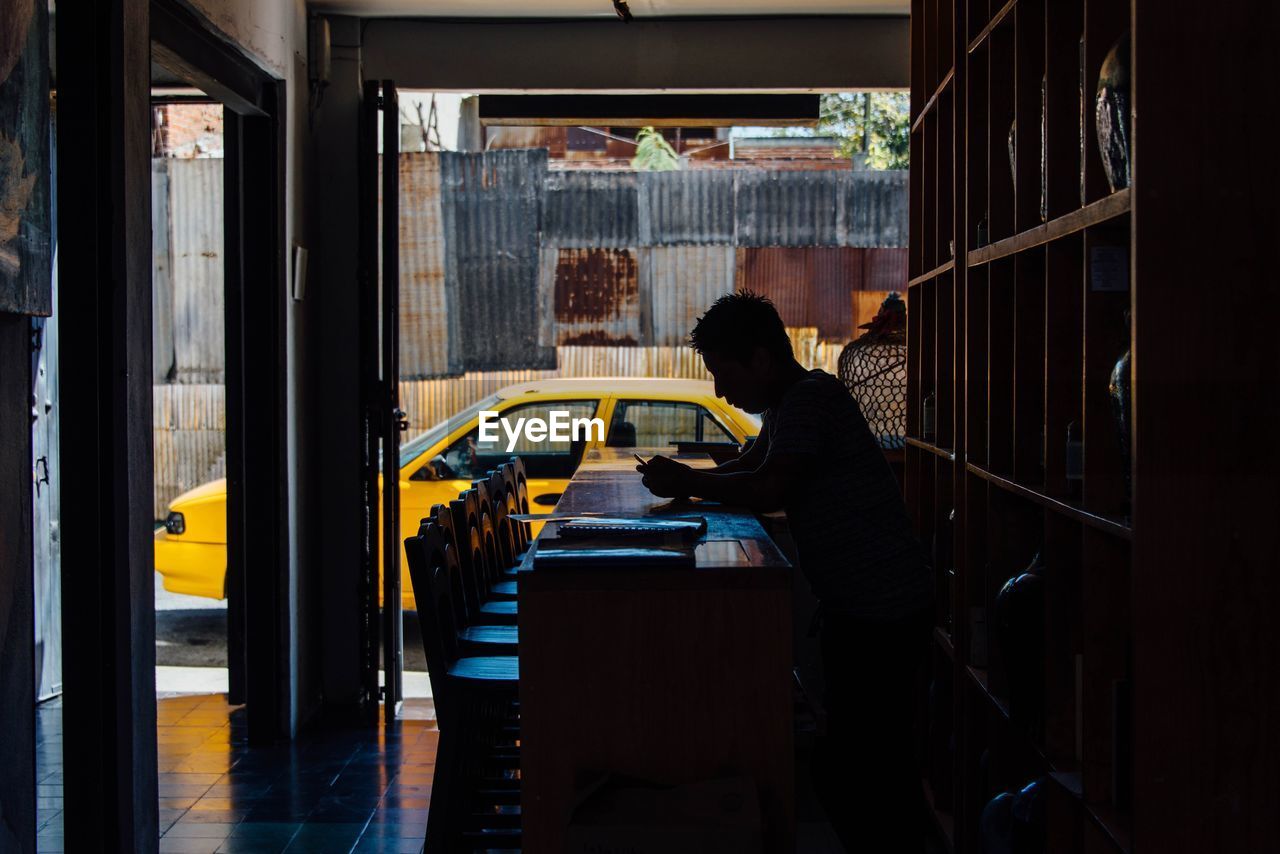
[[817, 459]]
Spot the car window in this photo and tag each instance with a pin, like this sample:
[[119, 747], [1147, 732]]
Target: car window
[[469, 458], [658, 423]]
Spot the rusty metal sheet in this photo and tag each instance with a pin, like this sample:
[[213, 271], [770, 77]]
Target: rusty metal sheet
[[680, 282], [492, 218], [428, 322], [885, 270], [835, 273], [597, 297], [781, 274], [687, 207], [787, 208], [874, 208], [591, 208]]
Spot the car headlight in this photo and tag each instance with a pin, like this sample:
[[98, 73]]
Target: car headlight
[[175, 524]]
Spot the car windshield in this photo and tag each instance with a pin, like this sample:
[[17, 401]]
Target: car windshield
[[412, 449]]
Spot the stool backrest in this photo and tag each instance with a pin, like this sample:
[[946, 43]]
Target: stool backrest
[[488, 536], [463, 599], [522, 483], [466, 531], [519, 530], [431, 563], [503, 528]]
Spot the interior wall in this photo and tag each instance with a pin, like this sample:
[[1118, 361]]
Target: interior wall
[[273, 34]]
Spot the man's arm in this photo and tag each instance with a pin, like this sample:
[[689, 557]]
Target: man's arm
[[750, 459], [762, 489]]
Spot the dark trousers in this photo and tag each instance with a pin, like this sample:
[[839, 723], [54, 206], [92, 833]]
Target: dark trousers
[[865, 770]]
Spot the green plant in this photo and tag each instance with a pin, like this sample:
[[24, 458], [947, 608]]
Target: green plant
[[654, 153]]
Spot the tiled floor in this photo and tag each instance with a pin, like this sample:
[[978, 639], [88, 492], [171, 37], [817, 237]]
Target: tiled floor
[[346, 791]]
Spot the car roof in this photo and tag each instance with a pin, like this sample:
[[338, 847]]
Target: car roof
[[610, 385]]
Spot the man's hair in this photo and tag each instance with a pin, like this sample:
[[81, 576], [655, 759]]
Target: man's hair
[[736, 324]]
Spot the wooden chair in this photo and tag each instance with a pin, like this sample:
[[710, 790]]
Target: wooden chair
[[516, 505], [502, 502], [475, 636], [496, 558], [472, 559], [474, 699]]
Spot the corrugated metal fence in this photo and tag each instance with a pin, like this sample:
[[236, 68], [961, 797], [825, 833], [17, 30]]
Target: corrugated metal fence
[[624, 258], [510, 272], [187, 279]]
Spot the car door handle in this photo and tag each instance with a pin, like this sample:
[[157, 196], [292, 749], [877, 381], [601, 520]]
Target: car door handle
[[548, 499]]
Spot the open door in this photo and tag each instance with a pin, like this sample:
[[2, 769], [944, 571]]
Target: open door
[[380, 375]]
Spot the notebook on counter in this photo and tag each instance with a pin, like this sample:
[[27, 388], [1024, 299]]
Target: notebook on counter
[[684, 528]]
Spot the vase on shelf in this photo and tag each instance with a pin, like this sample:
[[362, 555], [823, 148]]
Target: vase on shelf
[[1015, 822], [1120, 390], [1020, 608], [1112, 114]]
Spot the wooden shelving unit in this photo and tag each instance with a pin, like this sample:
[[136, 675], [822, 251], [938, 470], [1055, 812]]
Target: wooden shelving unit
[[1017, 304]]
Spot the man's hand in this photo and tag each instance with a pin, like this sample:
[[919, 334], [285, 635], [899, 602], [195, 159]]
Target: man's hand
[[666, 478]]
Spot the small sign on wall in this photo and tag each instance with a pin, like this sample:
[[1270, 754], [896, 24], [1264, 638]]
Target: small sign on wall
[[1109, 268], [299, 272]]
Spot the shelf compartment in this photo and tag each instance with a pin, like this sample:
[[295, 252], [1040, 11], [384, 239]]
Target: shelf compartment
[[1109, 208], [1000, 367], [1106, 338], [1029, 367], [1029, 107], [975, 370], [1064, 356], [1067, 98]]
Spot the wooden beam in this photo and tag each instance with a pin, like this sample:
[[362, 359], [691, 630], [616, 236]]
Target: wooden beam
[[104, 304], [671, 55], [724, 110], [189, 48]]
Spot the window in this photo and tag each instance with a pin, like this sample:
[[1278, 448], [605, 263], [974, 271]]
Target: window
[[468, 458], [658, 423]]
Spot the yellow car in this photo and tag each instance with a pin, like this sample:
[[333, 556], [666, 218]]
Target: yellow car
[[191, 547]]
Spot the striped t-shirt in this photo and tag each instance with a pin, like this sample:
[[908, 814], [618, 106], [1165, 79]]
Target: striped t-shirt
[[846, 513]]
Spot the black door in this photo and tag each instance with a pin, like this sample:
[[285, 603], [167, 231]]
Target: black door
[[380, 373]]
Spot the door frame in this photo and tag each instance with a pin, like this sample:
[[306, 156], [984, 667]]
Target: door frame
[[254, 168]]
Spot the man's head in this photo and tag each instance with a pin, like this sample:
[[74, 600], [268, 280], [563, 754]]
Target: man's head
[[745, 347]]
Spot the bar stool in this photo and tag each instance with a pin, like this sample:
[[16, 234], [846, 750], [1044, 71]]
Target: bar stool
[[496, 555], [503, 504], [515, 506], [474, 697], [476, 639], [467, 526]]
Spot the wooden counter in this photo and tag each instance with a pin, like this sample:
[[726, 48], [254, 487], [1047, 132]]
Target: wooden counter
[[667, 675]]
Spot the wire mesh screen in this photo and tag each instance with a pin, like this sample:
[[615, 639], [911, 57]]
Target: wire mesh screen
[[874, 369]]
